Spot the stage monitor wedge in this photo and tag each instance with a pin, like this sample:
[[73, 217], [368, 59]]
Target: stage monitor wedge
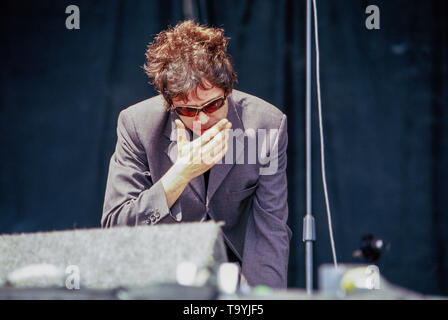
[[116, 257]]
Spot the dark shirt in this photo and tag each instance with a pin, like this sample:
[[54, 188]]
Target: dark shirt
[[206, 177]]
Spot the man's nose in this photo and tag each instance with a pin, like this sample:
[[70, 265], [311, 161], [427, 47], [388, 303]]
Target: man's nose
[[202, 117]]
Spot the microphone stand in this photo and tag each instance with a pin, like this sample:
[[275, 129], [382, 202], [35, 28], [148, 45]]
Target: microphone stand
[[309, 232]]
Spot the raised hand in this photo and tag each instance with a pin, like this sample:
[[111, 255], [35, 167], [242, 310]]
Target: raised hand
[[201, 154]]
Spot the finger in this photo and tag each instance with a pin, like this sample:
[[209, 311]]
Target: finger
[[181, 134], [221, 137], [210, 150], [211, 156], [220, 155], [227, 133], [218, 139], [213, 131]]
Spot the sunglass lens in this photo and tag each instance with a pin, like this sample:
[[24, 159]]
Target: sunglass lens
[[213, 106], [186, 111]]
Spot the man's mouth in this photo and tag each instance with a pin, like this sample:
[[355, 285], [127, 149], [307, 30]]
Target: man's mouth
[[201, 128], [204, 128]]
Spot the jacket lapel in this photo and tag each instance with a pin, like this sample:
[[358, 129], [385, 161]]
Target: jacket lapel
[[221, 169]]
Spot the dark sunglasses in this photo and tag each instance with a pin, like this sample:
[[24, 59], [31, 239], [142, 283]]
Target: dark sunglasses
[[208, 108]]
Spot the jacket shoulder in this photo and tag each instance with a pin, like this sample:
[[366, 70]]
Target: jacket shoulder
[[256, 112], [147, 117], [146, 111]]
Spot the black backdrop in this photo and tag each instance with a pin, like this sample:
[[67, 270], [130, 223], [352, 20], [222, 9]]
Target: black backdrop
[[384, 95]]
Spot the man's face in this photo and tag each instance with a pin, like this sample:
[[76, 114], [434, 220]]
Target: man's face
[[203, 121]]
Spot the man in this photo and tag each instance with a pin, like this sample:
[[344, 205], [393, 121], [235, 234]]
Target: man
[[176, 158]]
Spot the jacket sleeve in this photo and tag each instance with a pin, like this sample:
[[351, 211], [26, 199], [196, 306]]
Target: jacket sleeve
[[131, 197], [267, 240]]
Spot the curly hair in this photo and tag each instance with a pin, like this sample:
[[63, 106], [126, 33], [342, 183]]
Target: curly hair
[[180, 58]]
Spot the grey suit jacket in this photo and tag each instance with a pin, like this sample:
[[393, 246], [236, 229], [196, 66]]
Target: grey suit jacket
[[247, 190]]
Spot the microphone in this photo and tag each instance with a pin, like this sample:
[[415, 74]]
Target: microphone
[[371, 248]]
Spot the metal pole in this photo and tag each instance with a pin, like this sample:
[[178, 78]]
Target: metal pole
[[309, 233]]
